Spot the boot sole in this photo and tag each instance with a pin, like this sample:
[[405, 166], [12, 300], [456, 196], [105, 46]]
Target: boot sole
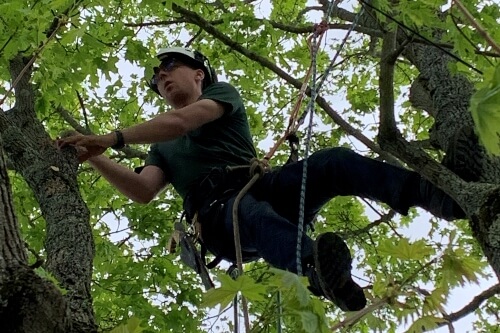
[[463, 155], [333, 266]]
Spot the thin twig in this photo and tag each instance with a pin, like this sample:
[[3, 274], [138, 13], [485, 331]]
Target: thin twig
[[31, 61], [84, 111], [477, 25]]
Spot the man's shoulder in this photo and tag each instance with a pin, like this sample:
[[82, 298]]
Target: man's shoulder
[[226, 94], [221, 86]]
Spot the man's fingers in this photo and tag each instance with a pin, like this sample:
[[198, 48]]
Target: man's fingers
[[68, 133], [61, 143], [78, 140], [83, 157], [61, 140]]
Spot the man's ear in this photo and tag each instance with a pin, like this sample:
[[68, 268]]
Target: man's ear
[[200, 74]]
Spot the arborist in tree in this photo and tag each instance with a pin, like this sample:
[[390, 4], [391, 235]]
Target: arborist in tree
[[207, 131]]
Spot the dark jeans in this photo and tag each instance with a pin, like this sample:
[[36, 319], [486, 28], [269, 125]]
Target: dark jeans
[[269, 213]]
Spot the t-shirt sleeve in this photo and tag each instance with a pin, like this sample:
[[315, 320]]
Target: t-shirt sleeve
[[154, 158], [225, 94]]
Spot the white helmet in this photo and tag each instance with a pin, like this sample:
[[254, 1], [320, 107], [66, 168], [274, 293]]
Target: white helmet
[[191, 58]]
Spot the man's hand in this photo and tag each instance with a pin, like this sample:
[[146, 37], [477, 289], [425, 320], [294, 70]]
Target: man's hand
[[87, 146]]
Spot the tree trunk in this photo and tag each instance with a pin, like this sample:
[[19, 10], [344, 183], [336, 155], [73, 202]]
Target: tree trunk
[[51, 174], [28, 303], [447, 97]]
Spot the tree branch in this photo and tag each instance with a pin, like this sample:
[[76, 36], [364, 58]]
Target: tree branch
[[309, 9], [161, 23], [472, 306], [209, 28], [297, 29], [127, 151], [477, 26], [11, 246], [386, 218], [387, 128]]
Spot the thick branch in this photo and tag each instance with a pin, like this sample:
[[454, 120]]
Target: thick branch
[[11, 245], [205, 25], [23, 90], [388, 128], [29, 303], [52, 177]]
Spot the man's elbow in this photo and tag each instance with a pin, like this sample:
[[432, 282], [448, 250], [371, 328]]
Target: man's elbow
[[142, 201], [144, 198], [177, 124]]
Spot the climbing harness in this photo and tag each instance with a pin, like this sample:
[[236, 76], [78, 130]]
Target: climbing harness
[[189, 254]]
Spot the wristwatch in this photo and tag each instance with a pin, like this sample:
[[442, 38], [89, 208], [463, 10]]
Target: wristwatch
[[120, 142]]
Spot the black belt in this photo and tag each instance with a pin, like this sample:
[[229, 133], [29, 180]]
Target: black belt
[[221, 183]]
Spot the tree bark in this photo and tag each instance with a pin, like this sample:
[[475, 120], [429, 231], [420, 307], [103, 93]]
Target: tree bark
[[51, 174], [28, 303], [447, 96]]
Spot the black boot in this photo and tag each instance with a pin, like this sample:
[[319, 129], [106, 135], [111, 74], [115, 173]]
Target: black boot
[[331, 274], [463, 154], [437, 202]]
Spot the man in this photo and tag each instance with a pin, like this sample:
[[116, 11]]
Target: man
[[205, 132]]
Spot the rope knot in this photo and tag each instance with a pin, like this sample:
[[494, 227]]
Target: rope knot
[[320, 28], [259, 167]]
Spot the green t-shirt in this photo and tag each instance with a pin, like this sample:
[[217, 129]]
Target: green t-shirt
[[222, 142]]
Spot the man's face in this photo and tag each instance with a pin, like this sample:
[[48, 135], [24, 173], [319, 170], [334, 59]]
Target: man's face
[[177, 82]]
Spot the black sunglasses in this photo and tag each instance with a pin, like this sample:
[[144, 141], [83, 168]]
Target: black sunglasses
[[167, 65]]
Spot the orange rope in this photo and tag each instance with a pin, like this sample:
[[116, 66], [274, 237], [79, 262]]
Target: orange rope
[[319, 30]]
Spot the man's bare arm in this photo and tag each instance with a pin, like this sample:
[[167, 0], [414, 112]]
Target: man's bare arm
[[167, 126], [141, 188]]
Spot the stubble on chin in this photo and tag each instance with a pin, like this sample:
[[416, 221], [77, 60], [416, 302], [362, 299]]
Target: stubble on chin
[[176, 100]]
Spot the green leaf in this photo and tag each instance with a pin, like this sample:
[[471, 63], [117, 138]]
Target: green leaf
[[459, 268], [73, 34], [291, 281], [219, 296], [229, 289], [485, 109], [309, 321], [403, 249], [425, 324], [132, 326], [435, 301]]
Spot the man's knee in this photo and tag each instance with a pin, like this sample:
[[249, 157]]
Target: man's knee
[[333, 156]]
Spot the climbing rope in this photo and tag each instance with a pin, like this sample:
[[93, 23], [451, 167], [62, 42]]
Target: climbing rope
[[313, 41], [310, 109], [259, 167]]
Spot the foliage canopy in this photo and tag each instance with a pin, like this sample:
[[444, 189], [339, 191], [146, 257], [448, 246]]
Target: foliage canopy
[[91, 62]]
